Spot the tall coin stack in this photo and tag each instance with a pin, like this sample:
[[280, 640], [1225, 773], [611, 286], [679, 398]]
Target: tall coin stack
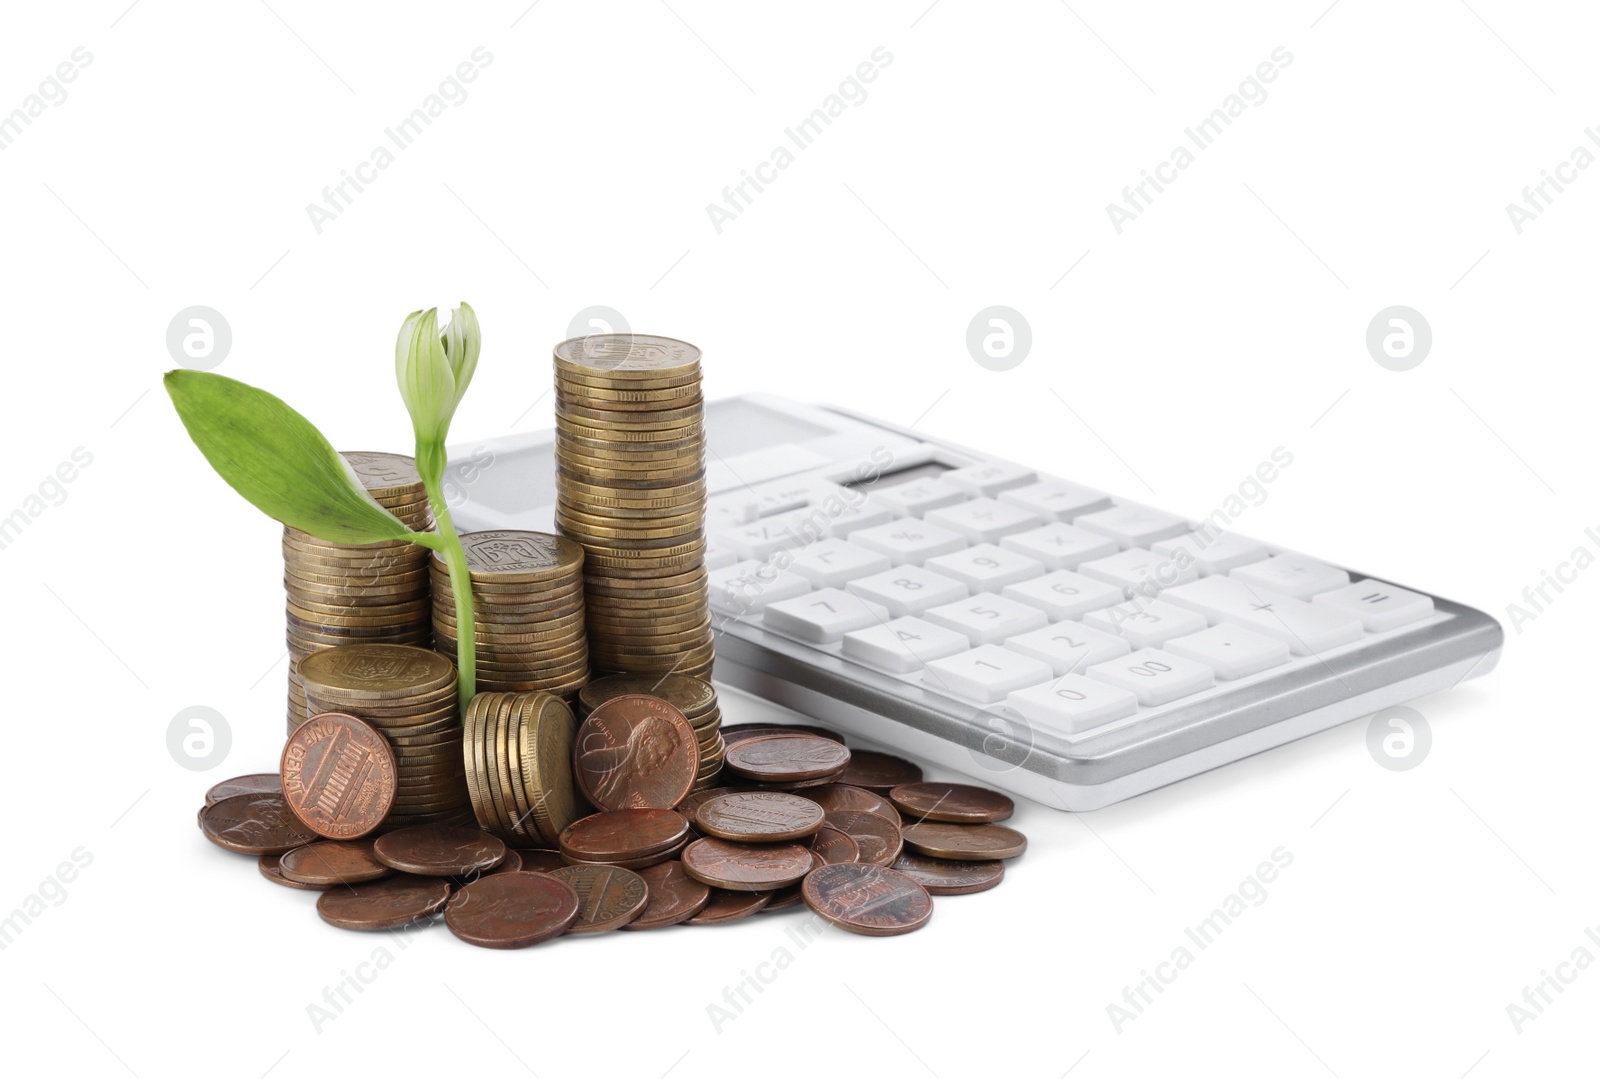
[[527, 591], [375, 593], [408, 695], [694, 697], [631, 488]]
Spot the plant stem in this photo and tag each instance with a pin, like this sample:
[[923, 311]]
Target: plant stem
[[430, 463]]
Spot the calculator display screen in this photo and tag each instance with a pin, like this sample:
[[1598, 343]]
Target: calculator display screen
[[910, 474]]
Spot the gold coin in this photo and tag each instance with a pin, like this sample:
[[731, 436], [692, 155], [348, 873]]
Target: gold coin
[[623, 356]]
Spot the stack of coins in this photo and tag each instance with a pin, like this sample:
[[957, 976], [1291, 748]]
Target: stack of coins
[[408, 695], [631, 488], [527, 591], [517, 751], [375, 593], [694, 697]]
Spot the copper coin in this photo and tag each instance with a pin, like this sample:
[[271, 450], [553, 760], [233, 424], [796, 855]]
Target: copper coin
[[254, 824], [759, 817], [338, 775], [868, 899], [834, 846], [880, 841], [674, 897], [785, 758], [540, 861], [623, 833], [746, 867], [512, 910], [727, 907], [260, 783], [268, 864], [965, 842], [941, 876], [434, 850], [511, 863], [609, 897], [383, 904], [696, 799], [738, 732], [334, 861], [635, 752], [954, 802], [840, 796], [879, 772]]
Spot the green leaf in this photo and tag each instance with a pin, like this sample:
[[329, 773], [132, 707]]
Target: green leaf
[[277, 460]]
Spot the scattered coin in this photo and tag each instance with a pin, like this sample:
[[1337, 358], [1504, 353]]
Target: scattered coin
[[839, 796], [674, 897], [512, 910], [268, 864], [434, 850], [746, 867], [759, 817], [254, 824], [965, 842], [635, 752], [338, 776], [879, 841], [868, 899], [333, 861], [943, 877], [384, 904], [786, 758], [834, 846], [951, 802], [609, 897], [624, 833], [879, 772], [261, 783], [725, 908]]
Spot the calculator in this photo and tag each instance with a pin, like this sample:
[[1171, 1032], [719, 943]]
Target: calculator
[[1071, 646]]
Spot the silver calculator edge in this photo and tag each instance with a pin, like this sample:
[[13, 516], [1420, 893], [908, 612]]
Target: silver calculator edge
[[997, 746]]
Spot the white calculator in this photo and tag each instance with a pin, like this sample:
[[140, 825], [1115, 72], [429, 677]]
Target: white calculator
[[1066, 644]]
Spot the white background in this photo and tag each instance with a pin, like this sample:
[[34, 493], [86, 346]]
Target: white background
[[1227, 320]]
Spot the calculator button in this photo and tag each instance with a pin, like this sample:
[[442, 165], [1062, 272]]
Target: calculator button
[[823, 616], [1146, 623], [908, 589], [1292, 575], [1155, 677], [724, 514], [987, 619], [989, 479], [1056, 500], [1306, 628], [717, 557], [1214, 552], [832, 563], [985, 567], [764, 537], [1072, 704], [1140, 572], [1133, 526], [983, 520], [1064, 594], [862, 513], [749, 586], [1379, 606], [1060, 546], [1231, 651], [1069, 646], [909, 540], [903, 645], [986, 673], [919, 496]]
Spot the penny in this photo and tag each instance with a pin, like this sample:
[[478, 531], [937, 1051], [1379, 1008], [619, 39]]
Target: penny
[[834, 846], [785, 758], [965, 842], [338, 776], [333, 862], [268, 864], [840, 796], [879, 772], [512, 910], [741, 731], [868, 899], [953, 802], [943, 877], [727, 907], [696, 799], [609, 897], [433, 850], [260, 783], [674, 897], [383, 904], [254, 824], [623, 833], [759, 817], [879, 840], [635, 752], [744, 867], [540, 861]]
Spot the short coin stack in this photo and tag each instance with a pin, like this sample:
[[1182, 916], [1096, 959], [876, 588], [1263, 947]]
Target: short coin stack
[[517, 751], [694, 697], [527, 591], [372, 593], [631, 488], [408, 695]]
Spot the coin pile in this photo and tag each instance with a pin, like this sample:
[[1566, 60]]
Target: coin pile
[[527, 592], [370, 593], [517, 751], [408, 695], [694, 697], [631, 488]]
